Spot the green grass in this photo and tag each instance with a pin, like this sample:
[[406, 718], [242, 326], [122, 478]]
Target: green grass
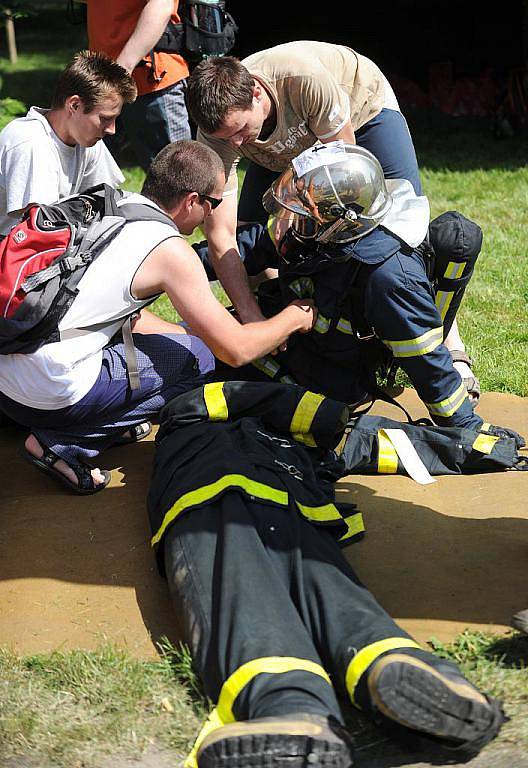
[[73, 709]]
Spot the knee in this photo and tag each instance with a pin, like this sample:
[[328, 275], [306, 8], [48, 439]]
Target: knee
[[457, 242]]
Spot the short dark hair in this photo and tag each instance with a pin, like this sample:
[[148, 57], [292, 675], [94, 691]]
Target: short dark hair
[[181, 167], [93, 77], [216, 86]]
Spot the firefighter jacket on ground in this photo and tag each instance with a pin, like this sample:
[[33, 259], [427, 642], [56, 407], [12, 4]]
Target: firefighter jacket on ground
[[378, 445], [379, 300], [244, 520], [265, 441]]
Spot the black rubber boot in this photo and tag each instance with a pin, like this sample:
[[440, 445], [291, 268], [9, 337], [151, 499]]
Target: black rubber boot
[[443, 706], [296, 741]]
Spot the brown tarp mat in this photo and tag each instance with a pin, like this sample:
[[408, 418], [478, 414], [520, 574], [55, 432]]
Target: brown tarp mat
[[75, 570]]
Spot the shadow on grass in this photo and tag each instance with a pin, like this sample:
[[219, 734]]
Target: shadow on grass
[[511, 651]]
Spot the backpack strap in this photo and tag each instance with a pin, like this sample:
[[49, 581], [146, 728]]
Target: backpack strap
[[130, 354], [138, 212], [144, 212]]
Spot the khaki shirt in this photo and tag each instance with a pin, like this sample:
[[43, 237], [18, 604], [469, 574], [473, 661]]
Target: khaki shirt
[[317, 88]]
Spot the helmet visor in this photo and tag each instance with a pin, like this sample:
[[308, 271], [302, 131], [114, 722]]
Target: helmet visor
[[284, 194]]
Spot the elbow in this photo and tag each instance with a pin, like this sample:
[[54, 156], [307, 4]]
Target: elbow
[[234, 358], [235, 355]]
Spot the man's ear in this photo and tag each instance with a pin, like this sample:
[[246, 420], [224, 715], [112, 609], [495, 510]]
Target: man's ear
[[74, 104], [257, 91], [191, 199]]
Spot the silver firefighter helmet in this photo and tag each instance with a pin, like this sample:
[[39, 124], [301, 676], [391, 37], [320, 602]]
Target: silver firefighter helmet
[[336, 193]]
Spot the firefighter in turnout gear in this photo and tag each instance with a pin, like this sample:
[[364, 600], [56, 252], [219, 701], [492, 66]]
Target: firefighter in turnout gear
[[248, 534], [386, 284]]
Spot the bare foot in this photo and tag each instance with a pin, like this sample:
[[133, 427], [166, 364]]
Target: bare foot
[[33, 447]]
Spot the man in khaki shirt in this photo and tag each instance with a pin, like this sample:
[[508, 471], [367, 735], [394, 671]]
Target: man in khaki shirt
[[272, 106]]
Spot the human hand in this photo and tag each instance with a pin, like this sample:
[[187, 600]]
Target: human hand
[[306, 312]]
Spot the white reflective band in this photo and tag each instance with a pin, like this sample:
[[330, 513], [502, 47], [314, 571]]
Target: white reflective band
[[408, 456]]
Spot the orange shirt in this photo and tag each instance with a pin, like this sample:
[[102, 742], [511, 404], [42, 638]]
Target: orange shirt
[[111, 23]]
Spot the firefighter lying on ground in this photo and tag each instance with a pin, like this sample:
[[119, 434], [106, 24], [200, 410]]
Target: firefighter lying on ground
[[386, 287], [249, 535]]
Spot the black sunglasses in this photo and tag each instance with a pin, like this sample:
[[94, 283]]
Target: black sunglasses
[[213, 201]]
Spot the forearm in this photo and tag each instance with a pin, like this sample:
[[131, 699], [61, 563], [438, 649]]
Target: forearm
[[254, 340], [149, 28], [234, 279]]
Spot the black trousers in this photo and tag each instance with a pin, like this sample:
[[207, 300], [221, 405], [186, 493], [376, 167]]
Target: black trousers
[[275, 617]]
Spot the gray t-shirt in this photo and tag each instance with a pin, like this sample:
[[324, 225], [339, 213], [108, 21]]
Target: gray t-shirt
[[37, 167]]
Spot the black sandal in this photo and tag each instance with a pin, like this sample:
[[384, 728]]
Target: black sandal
[[86, 484], [136, 433]]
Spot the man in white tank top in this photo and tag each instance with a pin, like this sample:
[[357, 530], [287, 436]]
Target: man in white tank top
[[74, 394]]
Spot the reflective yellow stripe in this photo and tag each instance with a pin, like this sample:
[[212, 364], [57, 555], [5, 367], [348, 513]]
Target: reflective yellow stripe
[[272, 229], [355, 524], [421, 345], [303, 287], [305, 439], [208, 492], [454, 270], [387, 456], [364, 658], [212, 723], [268, 665], [215, 401], [451, 404], [304, 415], [223, 712], [484, 443], [267, 365], [327, 513], [322, 324], [443, 300], [345, 326]]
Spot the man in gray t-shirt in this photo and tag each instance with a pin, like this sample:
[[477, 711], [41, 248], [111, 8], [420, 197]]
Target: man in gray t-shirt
[[53, 153]]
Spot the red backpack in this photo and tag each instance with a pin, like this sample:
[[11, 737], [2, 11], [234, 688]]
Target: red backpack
[[45, 255]]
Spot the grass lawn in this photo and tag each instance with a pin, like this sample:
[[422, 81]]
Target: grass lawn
[[72, 710]]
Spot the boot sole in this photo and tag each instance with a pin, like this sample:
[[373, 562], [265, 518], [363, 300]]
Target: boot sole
[[259, 746], [418, 697]]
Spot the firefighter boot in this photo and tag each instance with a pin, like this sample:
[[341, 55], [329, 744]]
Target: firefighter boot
[[437, 702], [297, 741]]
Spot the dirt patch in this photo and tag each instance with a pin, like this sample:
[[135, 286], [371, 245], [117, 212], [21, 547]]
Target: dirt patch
[[76, 570]]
